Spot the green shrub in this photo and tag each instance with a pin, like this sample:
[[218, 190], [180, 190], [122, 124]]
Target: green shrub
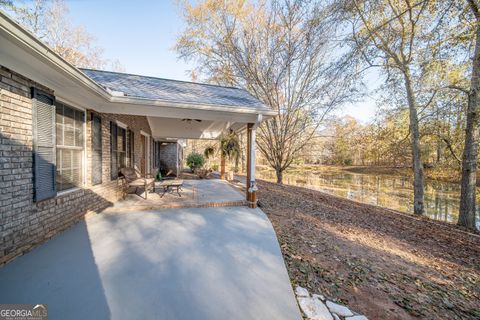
[[195, 160]]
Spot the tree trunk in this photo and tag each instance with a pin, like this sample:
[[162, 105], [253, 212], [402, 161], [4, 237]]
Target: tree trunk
[[418, 179], [466, 216], [222, 166], [279, 173]]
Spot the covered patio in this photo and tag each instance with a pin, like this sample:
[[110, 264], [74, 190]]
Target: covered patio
[[185, 110]]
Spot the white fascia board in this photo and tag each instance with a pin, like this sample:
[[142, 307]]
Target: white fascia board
[[193, 106]]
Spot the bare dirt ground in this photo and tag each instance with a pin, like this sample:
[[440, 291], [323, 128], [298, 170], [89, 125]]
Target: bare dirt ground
[[381, 263]]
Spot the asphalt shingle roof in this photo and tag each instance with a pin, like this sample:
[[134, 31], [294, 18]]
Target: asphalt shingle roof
[[173, 90]]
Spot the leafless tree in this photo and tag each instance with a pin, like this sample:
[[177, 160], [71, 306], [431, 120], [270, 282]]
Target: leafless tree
[[280, 52], [49, 21]]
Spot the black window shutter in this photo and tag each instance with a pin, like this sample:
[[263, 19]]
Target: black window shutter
[[44, 154], [157, 154], [132, 149], [113, 151], [152, 159], [96, 149]]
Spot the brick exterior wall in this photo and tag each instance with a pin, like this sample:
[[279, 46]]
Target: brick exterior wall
[[24, 223], [134, 123]]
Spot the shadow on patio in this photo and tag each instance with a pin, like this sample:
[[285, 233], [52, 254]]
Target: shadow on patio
[[61, 273]]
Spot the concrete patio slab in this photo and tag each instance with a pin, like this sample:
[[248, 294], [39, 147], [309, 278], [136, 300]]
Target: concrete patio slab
[[195, 193], [202, 263]]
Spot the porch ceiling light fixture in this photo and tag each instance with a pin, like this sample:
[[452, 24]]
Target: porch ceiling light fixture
[[190, 120]]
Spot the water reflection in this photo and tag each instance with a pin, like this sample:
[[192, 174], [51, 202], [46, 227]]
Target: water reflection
[[441, 199]]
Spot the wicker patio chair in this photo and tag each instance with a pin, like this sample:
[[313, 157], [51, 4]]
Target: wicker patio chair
[[133, 178]]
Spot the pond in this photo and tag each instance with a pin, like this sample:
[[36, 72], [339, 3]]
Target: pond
[[395, 192]]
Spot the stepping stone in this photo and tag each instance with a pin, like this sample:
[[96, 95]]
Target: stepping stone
[[359, 317], [301, 292], [314, 309], [339, 309], [319, 296]]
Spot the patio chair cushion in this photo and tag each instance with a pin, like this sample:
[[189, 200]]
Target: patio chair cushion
[[141, 182]]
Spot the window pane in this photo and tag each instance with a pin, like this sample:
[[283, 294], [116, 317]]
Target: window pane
[[66, 159], [114, 166], [59, 124], [78, 137], [76, 177], [122, 160], [120, 141], [78, 128], [69, 131]]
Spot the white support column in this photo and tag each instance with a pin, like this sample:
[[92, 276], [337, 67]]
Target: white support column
[[251, 185]]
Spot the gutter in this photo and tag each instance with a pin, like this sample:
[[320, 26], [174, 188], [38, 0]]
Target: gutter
[[196, 106]]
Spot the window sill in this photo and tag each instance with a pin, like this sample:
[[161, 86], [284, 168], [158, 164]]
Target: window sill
[[64, 192]]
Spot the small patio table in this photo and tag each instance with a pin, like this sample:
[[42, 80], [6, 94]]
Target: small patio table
[[170, 185]]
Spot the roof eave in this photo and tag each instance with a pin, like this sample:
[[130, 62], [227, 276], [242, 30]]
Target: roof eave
[[208, 107], [42, 51]]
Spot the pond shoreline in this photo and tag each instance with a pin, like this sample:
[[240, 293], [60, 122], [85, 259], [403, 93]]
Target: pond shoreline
[[384, 264], [382, 186], [431, 174]]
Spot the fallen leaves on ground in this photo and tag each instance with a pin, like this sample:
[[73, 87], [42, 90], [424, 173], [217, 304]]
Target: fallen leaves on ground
[[379, 262]]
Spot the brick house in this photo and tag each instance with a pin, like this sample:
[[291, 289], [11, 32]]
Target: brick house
[[65, 133]]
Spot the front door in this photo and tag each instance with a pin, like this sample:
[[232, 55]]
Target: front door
[[143, 153]]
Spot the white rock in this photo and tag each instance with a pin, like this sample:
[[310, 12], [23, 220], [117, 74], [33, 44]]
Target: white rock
[[301, 292], [335, 316], [319, 296], [339, 309], [314, 309], [359, 317]]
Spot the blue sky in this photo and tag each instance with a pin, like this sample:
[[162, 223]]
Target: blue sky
[[141, 35]]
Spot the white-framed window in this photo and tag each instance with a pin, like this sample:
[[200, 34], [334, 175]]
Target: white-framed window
[[70, 146]]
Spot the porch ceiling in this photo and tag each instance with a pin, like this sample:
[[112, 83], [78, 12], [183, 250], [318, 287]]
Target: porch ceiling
[[189, 128]]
